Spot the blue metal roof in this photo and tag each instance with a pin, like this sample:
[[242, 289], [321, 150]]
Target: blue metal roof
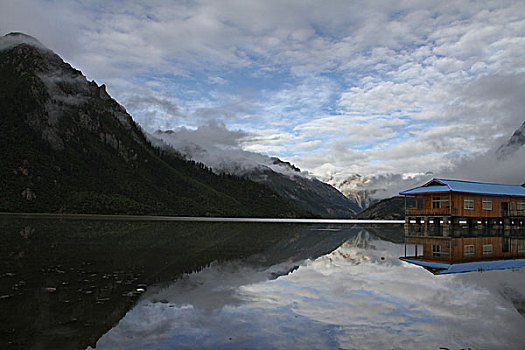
[[445, 185], [445, 269]]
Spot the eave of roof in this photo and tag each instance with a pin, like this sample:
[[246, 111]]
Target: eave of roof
[[445, 269], [427, 190], [467, 187]]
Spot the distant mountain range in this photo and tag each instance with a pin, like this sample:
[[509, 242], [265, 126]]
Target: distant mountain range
[[386, 209], [307, 193], [300, 189], [69, 147], [354, 188]]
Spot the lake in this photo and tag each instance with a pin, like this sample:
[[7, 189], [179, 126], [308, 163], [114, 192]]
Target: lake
[[144, 284]]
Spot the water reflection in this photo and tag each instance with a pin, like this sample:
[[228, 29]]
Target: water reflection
[[64, 283], [74, 284], [466, 253], [359, 295]]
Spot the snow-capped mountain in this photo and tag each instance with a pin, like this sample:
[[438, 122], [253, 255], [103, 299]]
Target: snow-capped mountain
[[516, 141]]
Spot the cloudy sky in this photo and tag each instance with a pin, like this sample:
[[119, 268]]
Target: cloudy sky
[[336, 87]]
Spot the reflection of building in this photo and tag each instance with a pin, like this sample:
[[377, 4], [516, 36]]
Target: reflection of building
[[443, 204], [444, 255]]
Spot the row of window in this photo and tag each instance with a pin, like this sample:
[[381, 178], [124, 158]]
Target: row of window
[[468, 249], [468, 203]]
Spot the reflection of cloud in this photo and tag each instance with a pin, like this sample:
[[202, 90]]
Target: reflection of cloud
[[333, 301]]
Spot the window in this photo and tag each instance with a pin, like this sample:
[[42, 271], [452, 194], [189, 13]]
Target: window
[[521, 246], [468, 250], [506, 245], [487, 249], [521, 205], [487, 203], [419, 202], [436, 250], [439, 202], [468, 202]]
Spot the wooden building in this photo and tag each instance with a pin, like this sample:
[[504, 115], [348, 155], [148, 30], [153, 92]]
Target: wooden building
[[466, 248], [441, 255], [445, 203]]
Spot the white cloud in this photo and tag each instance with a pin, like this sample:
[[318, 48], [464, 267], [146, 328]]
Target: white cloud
[[308, 144], [386, 87], [222, 149]]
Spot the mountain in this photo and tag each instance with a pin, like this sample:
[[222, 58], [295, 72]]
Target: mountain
[[353, 187], [516, 141], [386, 209], [298, 188], [306, 193], [69, 147]]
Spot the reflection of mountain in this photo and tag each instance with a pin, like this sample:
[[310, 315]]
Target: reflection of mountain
[[391, 232], [310, 242], [467, 253], [96, 268], [79, 277]]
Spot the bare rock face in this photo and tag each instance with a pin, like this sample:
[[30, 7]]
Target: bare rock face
[[516, 141], [88, 122], [102, 93], [71, 104]]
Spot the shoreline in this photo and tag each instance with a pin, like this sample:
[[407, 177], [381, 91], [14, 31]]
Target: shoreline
[[193, 218]]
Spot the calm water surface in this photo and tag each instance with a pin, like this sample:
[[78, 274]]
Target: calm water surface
[[183, 285]]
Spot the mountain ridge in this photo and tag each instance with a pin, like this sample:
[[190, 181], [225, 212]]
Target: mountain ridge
[[297, 187], [74, 149], [392, 208]]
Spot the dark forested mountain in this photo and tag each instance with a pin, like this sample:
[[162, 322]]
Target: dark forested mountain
[[387, 209], [284, 178], [306, 193], [68, 147]]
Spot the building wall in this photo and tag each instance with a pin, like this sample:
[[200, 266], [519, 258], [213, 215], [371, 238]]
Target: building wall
[[478, 211], [456, 206]]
